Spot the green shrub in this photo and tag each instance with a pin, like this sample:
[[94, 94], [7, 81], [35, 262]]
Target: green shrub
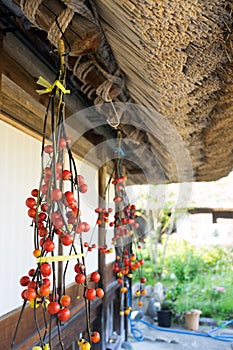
[[192, 275], [183, 260]]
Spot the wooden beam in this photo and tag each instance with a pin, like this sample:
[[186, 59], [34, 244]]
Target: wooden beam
[[217, 213], [226, 214], [17, 73], [22, 107], [21, 110], [95, 78], [206, 210], [28, 336], [200, 211], [82, 34]]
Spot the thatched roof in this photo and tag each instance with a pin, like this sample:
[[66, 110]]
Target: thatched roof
[[174, 57], [177, 57]]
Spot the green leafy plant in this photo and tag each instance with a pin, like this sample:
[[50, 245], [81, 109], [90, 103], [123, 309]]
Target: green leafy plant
[[169, 300], [191, 276], [168, 305]]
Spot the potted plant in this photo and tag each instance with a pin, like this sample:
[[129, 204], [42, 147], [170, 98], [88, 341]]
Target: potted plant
[[165, 313], [192, 319], [166, 297], [189, 313]]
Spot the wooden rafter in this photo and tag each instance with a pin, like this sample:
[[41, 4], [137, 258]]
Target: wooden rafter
[[217, 213]]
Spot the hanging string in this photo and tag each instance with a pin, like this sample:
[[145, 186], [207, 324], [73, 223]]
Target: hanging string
[[58, 27], [116, 123]]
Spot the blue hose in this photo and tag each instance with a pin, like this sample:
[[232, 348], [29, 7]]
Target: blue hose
[[138, 334]]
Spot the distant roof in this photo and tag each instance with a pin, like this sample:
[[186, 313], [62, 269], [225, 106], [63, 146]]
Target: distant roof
[[215, 194]]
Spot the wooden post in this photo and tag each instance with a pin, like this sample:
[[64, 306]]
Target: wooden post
[[101, 257], [121, 322], [102, 234]]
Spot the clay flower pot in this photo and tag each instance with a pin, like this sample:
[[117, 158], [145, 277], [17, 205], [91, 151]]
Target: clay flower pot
[[192, 319]]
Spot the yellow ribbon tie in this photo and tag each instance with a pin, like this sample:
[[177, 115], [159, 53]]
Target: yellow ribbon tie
[[45, 347], [49, 87], [58, 258]]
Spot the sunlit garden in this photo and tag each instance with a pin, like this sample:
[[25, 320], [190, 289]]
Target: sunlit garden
[[194, 277]]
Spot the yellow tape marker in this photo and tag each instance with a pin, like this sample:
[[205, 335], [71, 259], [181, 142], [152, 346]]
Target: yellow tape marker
[[58, 258], [49, 87], [45, 347]]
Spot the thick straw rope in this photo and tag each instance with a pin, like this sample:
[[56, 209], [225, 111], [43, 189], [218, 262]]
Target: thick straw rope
[[64, 19], [82, 70], [85, 68], [111, 79], [79, 7], [29, 8]]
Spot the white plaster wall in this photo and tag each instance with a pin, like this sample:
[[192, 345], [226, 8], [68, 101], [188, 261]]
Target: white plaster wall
[[20, 171], [20, 166]]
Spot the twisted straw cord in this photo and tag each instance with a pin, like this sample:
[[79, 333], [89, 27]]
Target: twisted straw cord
[[79, 7], [76, 64], [98, 100], [84, 69], [64, 19], [90, 93], [111, 78], [103, 89], [88, 90], [29, 8]]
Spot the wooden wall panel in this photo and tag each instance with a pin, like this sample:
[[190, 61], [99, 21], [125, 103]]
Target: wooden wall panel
[[27, 335], [20, 104]]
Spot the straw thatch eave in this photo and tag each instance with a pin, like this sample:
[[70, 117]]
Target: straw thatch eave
[[172, 57], [177, 57]]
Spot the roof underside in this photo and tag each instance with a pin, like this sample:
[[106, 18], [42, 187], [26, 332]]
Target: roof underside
[[170, 68], [177, 57]]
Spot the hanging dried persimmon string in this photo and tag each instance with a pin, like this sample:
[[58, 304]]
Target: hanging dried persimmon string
[[126, 241], [56, 218]]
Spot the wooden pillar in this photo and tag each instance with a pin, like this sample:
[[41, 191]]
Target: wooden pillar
[[102, 234], [102, 319], [118, 319], [215, 217]]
